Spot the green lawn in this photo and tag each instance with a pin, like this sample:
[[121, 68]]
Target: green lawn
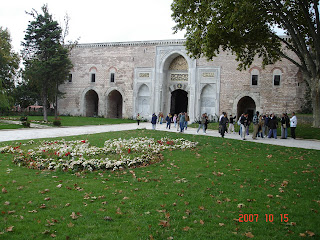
[[78, 121], [191, 194], [9, 126]]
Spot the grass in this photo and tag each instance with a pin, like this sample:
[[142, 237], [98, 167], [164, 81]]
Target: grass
[[78, 121], [9, 126], [191, 194]]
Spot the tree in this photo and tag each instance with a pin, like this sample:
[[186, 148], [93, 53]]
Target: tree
[[247, 29], [46, 60], [9, 64]]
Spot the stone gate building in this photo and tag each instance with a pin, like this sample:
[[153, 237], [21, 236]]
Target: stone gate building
[[119, 80]]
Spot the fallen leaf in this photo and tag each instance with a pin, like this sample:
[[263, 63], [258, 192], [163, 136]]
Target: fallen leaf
[[270, 196], [164, 223], [241, 205], [302, 235], [7, 203], [311, 234], [59, 185], [201, 222], [249, 235], [4, 190], [73, 215], [70, 225], [42, 206], [107, 218], [221, 224], [10, 229], [186, 228]]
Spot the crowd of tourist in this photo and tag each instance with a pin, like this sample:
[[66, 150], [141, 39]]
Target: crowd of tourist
[[264, 125]]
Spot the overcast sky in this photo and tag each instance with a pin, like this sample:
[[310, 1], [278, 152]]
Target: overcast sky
[[95, 21]]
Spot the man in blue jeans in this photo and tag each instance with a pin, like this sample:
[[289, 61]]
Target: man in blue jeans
[[273, 124]]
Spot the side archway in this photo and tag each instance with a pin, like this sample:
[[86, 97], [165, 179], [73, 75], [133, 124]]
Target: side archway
[[208, 101], [246, 105], [91, 100], [114, 104], [144, 100]]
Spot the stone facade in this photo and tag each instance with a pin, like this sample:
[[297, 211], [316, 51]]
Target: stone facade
[[119, 80]]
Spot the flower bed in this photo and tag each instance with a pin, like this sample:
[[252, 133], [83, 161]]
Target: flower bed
[[80, 155]]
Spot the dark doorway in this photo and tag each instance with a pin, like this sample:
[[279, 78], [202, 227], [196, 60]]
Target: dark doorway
[[179, 101], [91, 102], [246, 105], [114, 105]]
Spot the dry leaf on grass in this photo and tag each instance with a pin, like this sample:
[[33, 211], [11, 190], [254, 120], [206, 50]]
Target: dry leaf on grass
[[249, 235]]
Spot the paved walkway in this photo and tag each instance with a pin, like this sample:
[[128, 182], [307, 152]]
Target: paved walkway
[[31, 133]]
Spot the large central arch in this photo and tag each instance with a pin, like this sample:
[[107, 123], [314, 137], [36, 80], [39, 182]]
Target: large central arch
[[179, 101]]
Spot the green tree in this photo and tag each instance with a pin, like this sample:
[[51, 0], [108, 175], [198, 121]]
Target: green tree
[[9, 64], [46, 60], [247, 29]]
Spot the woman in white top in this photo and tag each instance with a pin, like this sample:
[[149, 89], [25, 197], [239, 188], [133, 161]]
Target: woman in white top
[[293, 125]]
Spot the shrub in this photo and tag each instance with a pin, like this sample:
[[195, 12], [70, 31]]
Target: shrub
[[57, 123]]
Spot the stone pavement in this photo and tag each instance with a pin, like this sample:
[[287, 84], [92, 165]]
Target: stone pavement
[[31, 133]]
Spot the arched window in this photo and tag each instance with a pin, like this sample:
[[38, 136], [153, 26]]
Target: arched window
[[277, 74], [254, 77], [92, 73], [112, 74]]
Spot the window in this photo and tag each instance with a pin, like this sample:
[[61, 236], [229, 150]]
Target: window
[[70, 77], [254, 77], [112, 77], [277, 76], [254, 80], [276, 80], [93, 77]]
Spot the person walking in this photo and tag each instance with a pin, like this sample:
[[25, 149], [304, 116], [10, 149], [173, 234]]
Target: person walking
[[255, 122], [231, 124], [293, 125], [138, 119], [154, 121], [168, 120], [175, 120], [182, 122], [283, 126], [202, 122], [186, 121], [243, 125], [223, 123]]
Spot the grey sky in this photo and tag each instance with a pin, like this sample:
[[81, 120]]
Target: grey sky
[[95, 20]]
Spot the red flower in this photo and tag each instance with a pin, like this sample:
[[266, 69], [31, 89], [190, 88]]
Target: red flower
[[129, 150], [83, 141]]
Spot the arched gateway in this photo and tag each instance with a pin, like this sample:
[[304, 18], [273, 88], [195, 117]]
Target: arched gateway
[[91, 103], [114, 104], [246, 105], [179, 101]]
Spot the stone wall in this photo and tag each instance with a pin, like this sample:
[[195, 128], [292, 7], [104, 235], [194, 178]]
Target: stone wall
[[141, 71]]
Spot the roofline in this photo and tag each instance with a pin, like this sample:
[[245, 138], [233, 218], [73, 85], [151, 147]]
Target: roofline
[[133, 43]]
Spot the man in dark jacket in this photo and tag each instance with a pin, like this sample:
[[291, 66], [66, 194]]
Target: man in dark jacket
[[273, 124], [154, 121], [223, 123]]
